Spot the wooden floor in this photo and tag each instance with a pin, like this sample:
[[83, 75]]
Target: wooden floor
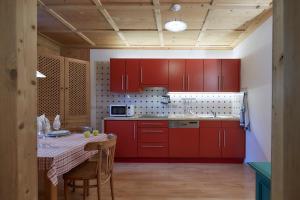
[[149, 181]]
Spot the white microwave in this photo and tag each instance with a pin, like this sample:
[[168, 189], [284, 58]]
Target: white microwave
[[121, 110]]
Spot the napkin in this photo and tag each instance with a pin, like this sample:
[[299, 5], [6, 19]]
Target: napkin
[[56, 122]]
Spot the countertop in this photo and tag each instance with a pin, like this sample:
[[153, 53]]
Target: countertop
[[179, 117]]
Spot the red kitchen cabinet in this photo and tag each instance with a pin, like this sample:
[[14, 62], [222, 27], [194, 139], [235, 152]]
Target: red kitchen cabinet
[[117, 75], [221, 139], [212, 75], [230, 75], [154, 72], [124, 75], [194, 75], [126, 132], [183, 142], [210, 143], [233, 143], [177, 78]]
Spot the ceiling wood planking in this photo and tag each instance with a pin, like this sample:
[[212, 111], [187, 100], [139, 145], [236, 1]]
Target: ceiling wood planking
[[110, 20], [63, 21], [133, 24], [158, 21]]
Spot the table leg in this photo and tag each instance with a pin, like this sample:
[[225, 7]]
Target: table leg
[[47, 191]]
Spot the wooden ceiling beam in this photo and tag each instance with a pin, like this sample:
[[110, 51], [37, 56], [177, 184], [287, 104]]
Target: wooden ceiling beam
[[203, 29], [260, 19], [158, 21], [65, 22], [110, 20], [144, 6]]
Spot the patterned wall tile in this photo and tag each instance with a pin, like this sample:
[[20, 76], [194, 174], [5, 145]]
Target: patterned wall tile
[[149, 101]]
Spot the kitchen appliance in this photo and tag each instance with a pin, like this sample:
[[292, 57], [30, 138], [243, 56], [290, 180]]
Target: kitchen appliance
[[121, 110]]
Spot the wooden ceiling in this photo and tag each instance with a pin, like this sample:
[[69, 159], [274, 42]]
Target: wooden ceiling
[[212, 24]]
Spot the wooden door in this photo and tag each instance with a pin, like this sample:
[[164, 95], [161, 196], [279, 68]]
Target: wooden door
[[210, 142], [177, 78], [50, 90], [194, 75], [77, 93], [126, 132], [230, 75], [212, 75], [154, 72], [233, 142], [183, 142], [117, 75], [132, 76]]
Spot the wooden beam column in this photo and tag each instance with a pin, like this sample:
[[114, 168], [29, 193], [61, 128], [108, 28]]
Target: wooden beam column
[[286, 98], [18, 60]]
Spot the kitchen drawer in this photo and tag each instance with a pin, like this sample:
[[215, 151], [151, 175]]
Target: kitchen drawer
[[153, 123], [153, 150], [228, 124], [210, 124], [153, 134]]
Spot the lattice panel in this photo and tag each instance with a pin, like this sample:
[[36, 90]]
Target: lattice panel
[[77, 88], [49, 96]]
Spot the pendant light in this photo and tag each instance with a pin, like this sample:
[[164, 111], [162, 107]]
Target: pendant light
[[175, 25]]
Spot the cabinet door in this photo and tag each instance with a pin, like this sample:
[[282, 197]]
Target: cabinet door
[[77, 93], [132, 75], [154, 72], [183, 142], [233, 142], [177, 79], [212, 75], [194, 75], [126, 132], [210, 142], [231, 75], [50, 90], [117, 75]]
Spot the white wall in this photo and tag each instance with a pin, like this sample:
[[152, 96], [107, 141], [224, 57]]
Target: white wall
[[256, 76]]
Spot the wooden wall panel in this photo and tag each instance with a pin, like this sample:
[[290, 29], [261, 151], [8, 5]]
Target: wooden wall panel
[[46, 46], [77, 53], [18, 62]]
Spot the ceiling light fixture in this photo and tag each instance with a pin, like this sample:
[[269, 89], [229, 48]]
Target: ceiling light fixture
[[175, 25]]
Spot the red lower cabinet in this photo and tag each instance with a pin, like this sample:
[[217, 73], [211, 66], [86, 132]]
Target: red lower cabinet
[[153, 150], [126, 132], [183, 142], [233, 143], [210, 143]]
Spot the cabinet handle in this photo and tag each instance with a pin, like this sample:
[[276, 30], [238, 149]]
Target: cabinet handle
[[152, 131], [218, 83], [127, 82], [219, 138], [224, 138], [134, 131], [122, 82], [188, 82], [222, 83], [183, 85], [153, 146], [141, 74]]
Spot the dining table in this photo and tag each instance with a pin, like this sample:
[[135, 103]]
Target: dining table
[[57, 156]]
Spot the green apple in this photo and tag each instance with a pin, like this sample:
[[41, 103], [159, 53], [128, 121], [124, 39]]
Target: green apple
[[87, 134], [95, 132]]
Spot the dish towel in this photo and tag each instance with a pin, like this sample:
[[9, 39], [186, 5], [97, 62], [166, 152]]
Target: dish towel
[[244, 113]]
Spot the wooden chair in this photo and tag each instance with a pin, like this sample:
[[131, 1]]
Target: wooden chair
[[100, 169]]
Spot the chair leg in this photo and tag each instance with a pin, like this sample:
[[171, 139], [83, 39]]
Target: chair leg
[[84, 189], [73, 186], [112, 187], [88, 188], [99, 189], [66, 189]]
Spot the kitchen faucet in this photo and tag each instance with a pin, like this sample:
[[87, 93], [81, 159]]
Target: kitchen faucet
[[214, 113]]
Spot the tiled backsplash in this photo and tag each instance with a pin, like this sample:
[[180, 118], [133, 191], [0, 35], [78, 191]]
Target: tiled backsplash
[[149, 101]]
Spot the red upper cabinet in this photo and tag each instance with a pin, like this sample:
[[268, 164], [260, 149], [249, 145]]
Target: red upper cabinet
[[126, 132], [212, 75], [124, 75], [117, 75], [177, 78], [194, 75], [231, 75], [154, 72], [132, 75]]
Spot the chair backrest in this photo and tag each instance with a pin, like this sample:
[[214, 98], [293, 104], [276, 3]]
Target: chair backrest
[[106, 154]]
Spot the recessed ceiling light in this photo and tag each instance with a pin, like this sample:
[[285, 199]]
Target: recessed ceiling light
[[175, 26]]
